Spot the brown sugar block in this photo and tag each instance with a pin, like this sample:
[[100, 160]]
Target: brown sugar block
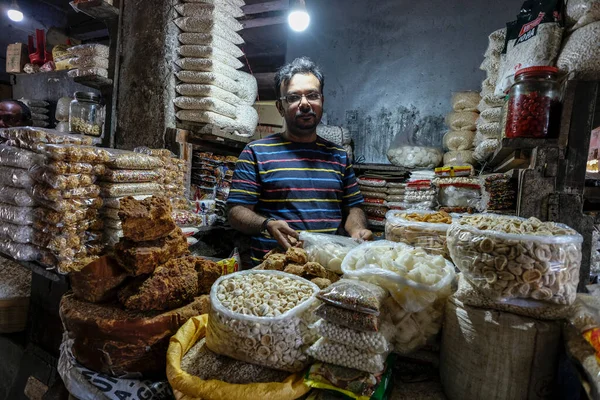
[[171, 285], [147, 219], [296, 255], [275, 261], [114, 341], [98, 281], [208, 272], [322, 283], [139, 258], [295, 269], [316, 270]]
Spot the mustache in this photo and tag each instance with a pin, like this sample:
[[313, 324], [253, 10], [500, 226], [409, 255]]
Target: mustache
[[306, 114]]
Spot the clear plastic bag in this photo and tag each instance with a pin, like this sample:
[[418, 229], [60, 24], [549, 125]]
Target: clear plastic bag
[[462, 121], [327, 250], [112, 236], [58, 181], [30, 135], [465, 101], [66, 205], [16, 197], [66, 218], [485, 149], [458, 158], [17, 215], [85, 62], [580, 54], [354, 295], [123, 159], [347, 356], [70, 153], [79, 72], [585, 313], [459, 196], [161, 153], [90, 49], [277, 341], [130, 175], [128, 189], [415, 156], [19, 158], [374, 195], [115, 202], [372, 182], [44, 192], [373, 342], [26, 252], [458, 140], [510, 257], [62, 167], [354, 320], [187, 218], [63, 109], [15, 177], [579, 13], [492, 115], [405, 227], [414, 278], [28, 235]]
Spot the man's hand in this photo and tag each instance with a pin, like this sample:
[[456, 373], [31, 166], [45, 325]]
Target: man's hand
[[280, 231], [362, 234]]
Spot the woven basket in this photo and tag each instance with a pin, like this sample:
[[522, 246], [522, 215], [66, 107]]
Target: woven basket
[[13, 314]]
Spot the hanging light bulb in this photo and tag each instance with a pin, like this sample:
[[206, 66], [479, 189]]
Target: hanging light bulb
[[298, 19], [14, 12]]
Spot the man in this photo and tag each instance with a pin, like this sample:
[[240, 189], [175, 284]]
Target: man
[[295, 181], [14, 113]]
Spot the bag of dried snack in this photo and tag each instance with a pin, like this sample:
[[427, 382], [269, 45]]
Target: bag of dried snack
[[327, 250], [354, 295]]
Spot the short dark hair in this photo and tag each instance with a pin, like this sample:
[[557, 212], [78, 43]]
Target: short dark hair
[[301, 65]]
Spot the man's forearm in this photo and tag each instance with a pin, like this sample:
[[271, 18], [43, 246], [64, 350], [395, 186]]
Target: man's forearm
[[355, 221], [245, 220]]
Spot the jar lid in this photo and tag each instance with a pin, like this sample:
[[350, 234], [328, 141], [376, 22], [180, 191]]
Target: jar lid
[[543, 69], [87, 96]]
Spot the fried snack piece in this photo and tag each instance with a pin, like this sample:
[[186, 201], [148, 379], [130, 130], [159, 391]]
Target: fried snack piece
[[322, 283], [147, 219], [275, 262], [315, 270], [296, 255], [172, 285], [295, 269], [208, 272]]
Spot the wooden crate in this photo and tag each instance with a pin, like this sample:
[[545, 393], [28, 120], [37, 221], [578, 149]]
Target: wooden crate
[[13, 314]]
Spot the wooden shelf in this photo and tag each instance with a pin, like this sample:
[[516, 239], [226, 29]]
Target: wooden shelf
[[198, 132], [95, 82], [508, 146], [97, 9]]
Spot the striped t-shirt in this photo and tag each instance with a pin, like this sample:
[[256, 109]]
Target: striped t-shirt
[[305, 184]]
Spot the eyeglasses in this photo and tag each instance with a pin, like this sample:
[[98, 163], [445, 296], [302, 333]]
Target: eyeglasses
[[292, 99]]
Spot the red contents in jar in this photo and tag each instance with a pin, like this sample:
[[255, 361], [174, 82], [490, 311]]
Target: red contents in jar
[[532, 115]]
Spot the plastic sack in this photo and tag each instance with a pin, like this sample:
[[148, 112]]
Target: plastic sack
[[16, 197], [414, 278], [458, 158], [124, 159], [85, 62], [15, 177], [63, 217], [62, 167], [350, 319], [29, 235], [69, 205], [354, 295], [462, 121], [380, 183], [430, 236], [187, 218], [454, 171], [79, 72], [458, 140], [585, 313], [161, 153], [459, 196], [327, 250], [26, 252], [485, 149], [189, 387], [128, 189], [491, 115], [44, 192], [541, 262], [373, 342], [59, 181], [347, 356], [70, 153], [580, 53], [579, 13], [130, 175], [277, 341], [91, 49], [29, 135], [17, 215], [465, 101], [115, 202], [19, 158], [415, 156]]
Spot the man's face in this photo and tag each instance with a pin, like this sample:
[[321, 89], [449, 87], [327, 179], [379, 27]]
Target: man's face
[[301, 116], [10, 114]]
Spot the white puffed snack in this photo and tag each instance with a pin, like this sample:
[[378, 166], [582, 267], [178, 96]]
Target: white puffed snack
[[347, 356], [510, 257], [374, 342], [415, 156], [327, 250], [262, 317], [458, 140], [414, 278]]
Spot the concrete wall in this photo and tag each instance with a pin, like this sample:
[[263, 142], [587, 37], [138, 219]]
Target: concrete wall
[[389, 61]]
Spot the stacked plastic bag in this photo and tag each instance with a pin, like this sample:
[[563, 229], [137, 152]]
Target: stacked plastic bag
[[48, 197], [488, 134], [62, 113], [380, 196], [88, 60], [39, 112], [211, 89], [337, 135], [459, 140]]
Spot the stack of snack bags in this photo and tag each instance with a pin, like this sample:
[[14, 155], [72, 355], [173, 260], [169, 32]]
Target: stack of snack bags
[[380, 196], [39, 112], [88, 60], [420, 193], [459, 193], [489, 131], [49, 199], [462, 122], [212, 90], [499, 193], [355, 340], [127, 174]]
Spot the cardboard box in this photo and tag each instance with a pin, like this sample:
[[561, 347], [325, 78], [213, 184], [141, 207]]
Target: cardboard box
[[16, 57], [269, 120]]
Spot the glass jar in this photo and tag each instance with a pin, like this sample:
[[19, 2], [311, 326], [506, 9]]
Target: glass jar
[[86, 114], [534, 105]]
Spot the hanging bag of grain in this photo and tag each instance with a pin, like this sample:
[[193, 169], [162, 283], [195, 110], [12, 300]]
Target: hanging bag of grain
[[579, 13], [580, 53], [465, 101], [496, 355], [190, 387], [462, 120]]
